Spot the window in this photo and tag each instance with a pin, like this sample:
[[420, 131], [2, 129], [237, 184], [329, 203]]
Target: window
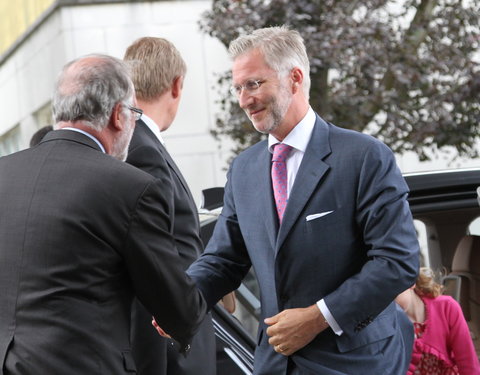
[[474, 227], [10, 141], [43, 116], [421, 230]]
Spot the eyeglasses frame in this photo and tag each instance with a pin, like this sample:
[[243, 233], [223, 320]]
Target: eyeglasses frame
[[137, 112], [238, 89]]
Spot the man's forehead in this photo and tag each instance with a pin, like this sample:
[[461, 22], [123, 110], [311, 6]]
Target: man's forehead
[[249, 65]]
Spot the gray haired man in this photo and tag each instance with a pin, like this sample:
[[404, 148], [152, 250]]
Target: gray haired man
[[82, 234]]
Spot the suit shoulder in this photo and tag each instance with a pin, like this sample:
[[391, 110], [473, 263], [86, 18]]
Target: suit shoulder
[[111, 169], [142, 137], [252, 152], [339, 134], [357, 145]]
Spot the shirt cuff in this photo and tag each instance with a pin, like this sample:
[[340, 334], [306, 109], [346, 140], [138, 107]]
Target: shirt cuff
[[329, 317]]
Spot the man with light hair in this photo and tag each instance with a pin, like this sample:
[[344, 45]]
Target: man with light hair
[[321, 214], [83, 233], [158, 71]]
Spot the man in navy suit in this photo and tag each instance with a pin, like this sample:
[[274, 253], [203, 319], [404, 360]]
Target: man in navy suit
[[330, 254], [158, 71]]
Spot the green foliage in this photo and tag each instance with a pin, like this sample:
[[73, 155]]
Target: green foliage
[[403, 71]]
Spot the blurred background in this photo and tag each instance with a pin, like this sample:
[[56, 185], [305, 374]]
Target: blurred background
[[405, 71]]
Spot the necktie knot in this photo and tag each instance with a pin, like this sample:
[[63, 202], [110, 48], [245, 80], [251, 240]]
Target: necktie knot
[[280, 152]]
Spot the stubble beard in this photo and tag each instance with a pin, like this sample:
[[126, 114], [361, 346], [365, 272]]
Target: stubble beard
[[278, 108], [120, 146]]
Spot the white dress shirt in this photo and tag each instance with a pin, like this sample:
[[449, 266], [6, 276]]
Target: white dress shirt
[[88, 135], [153, 127], [298, 138]]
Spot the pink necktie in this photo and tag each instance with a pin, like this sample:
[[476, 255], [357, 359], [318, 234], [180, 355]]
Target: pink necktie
[[279, 177]]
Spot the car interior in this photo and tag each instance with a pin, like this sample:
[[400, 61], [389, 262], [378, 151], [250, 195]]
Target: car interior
[[465, 268], [446, 210]]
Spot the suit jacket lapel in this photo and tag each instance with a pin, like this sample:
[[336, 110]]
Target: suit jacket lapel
[[179, 175], [169, 161], [175, 169], [311, 171]]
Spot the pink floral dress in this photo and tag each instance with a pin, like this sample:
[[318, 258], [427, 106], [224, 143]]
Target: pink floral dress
[[430, 363], [443, 345]]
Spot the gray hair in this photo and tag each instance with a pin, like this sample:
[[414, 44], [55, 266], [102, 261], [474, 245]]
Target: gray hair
[[282, 48], [89, 87]]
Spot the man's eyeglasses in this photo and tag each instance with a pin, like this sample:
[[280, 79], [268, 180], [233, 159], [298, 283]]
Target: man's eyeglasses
[[137, 112], [250, 86]]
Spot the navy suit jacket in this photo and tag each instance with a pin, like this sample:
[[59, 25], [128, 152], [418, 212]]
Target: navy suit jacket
[[358, 255], [82, 234]]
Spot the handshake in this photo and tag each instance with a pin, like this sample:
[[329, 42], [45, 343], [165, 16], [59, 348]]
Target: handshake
[[228, 302]]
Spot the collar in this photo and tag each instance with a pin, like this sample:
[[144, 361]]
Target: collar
[[153, 127], [300, 135], [88, 135]]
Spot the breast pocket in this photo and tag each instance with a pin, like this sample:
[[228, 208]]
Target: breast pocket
[[321, 221]]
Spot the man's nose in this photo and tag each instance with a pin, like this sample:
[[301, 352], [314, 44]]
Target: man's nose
[[245, 98]]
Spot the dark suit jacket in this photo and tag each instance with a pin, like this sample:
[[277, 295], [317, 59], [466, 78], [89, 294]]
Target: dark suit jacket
[[152, 353], [81, 234], [358, 254]]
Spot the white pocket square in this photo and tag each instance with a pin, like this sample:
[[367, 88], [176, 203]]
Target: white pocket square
[[316, 216]]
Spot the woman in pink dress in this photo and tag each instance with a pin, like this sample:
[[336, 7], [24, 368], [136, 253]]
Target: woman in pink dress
[[443, 345]]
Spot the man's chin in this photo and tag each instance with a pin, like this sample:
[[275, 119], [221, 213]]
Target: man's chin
[[260, 130], [263, 128]]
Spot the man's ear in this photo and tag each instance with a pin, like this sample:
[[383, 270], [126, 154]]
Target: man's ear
[[177, 87], [116, 120], [296, 75]]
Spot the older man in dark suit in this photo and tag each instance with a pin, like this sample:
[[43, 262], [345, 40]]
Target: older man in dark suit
[[321, 214], [82, 233], [158, 71]]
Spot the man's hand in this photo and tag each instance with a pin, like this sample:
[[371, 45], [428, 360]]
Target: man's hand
[[293, 329], [159, 329], [228, 302]]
